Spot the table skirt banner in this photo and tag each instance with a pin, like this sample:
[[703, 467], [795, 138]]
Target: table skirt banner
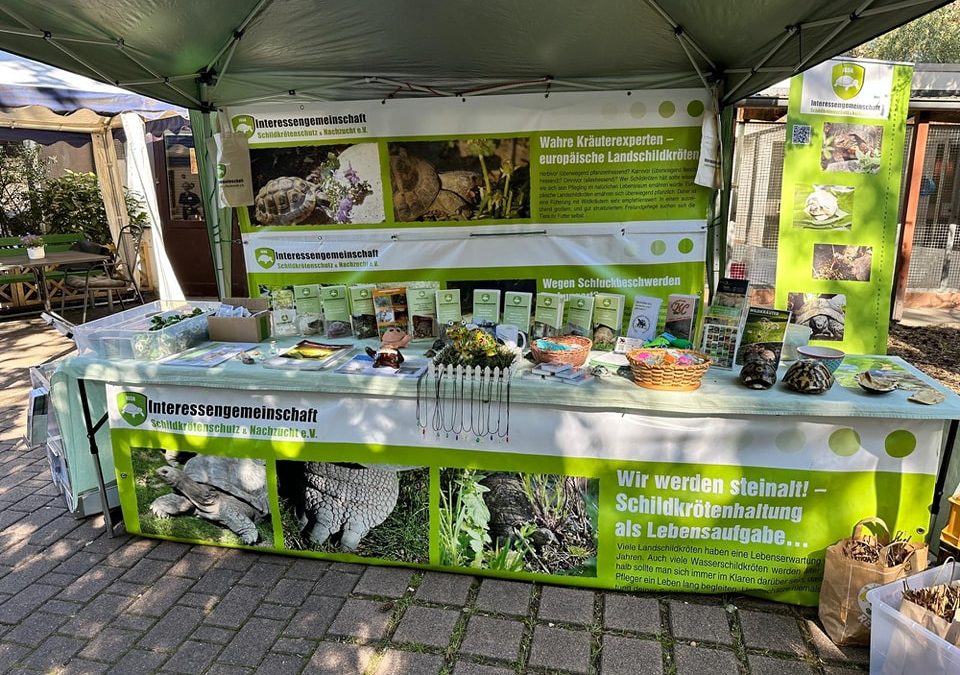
[[582, 497]]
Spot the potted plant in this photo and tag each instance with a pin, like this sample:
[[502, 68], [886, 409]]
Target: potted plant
[[34, 245]]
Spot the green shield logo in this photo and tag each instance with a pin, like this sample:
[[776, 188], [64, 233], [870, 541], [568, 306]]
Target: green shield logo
[[132, 407], [221, 171], [266, 257], [847, 80], [244, 124]]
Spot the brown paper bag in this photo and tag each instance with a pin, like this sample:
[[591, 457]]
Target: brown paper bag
[[844, 609], [949, 631]]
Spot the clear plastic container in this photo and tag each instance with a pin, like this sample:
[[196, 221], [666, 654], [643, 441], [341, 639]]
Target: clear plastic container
[[127, 334], [899, 645]]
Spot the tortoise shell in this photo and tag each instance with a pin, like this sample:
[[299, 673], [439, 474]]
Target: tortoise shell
[[415, 185], [285, 201], [808, 377], [759, 373]]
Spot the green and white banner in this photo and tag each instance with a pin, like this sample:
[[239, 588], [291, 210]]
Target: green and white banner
[[589, 498], [573, 192], [840, 203]]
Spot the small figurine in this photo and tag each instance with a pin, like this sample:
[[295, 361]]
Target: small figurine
[[388, 355]]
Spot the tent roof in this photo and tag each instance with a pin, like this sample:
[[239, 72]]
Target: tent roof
[[223, 52]]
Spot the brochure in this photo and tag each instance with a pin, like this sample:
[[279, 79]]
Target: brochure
[[309, 355], [208, 354], [763, 331], [643, 319], [681, 315], [362, 364]]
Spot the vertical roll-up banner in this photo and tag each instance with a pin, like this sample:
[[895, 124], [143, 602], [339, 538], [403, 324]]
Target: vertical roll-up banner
[[838, 211]]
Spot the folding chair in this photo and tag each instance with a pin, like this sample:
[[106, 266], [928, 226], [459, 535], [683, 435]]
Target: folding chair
[[118, 273]]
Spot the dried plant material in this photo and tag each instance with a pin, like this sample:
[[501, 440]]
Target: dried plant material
[[869, 550], [928, 396], [943, 600]]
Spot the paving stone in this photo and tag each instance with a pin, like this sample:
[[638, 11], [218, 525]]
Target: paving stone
[[293, 646], [504, 597], [207, 633], [138, 661], [169, 550], [25, 602], [234, 559], [409, 663], [699, 622], [11, 654], [467, 668], [191, 657], [146, 571], [336, 583], [193, 565], [84, 667], [493, 638], [34, 629], [268, 610], [108, 644], [765, 665], [829, 651], [92, 583], [773, 632], [363, 619], [334, 658], [227, 669], [289, 592], [281, 664], [391, 582], [252, 642], [55, 651], [698, 661], [216, 582], [307, 569], [202, 601], [56, 579], [133, 622], [836, 670], [314, 617], [566, 605], [176, 626], [426, 626], [95, 615], [560, 648], [132, 551], [447, 589], [236, 606], [263, 574], [160, 596], [630, 656], [632, 613]]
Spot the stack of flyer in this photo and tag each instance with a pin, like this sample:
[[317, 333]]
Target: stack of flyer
[[562, 372], [723, 321]]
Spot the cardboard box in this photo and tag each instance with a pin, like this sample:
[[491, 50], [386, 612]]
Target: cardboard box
[[255, 328]]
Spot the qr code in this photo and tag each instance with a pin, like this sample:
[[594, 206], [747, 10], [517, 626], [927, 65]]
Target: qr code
[[801, 134]]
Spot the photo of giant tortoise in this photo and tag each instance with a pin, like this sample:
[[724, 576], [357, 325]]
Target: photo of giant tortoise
[[823, 314], [204, 498]]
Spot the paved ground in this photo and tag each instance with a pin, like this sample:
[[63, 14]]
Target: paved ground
[[73, 600]]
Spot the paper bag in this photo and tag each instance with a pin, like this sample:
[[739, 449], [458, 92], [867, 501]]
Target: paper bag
[[234, 183], [844, 609], [949, 631]]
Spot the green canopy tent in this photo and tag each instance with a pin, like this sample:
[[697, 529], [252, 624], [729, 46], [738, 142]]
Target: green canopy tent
[[209, 54]]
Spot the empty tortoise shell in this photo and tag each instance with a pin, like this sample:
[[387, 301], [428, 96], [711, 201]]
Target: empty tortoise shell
[[808, 377], [759, 373]]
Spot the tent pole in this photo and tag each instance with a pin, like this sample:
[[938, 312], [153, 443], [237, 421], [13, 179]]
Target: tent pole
[[202, 126], [726, 168]]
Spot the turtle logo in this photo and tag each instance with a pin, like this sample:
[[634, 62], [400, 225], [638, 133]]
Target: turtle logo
[[266, 257], [421, 294], [244, 124], [607, 302], [485, 297], [132, 407], [448, 297], [580, 303], [847, 80], [363, 293], [517, 299], [221, 171], [334, 292], [547, 302]]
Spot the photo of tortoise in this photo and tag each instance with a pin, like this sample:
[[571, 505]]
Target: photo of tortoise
[[317, 185], [467, 179], [508, 521], [823, 313], [204, 498], [372, 510]]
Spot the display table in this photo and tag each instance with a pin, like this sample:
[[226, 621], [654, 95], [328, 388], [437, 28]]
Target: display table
[[603, 484]]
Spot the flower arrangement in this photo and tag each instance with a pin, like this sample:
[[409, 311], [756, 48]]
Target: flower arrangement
[[32, 240]]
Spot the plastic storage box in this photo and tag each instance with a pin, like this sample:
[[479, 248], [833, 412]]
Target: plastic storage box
[[899, 645], [127, 334]]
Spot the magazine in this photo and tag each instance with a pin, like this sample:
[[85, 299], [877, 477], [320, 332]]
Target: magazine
[[763, 331], [362, 364], [209, 354], [309, 355]]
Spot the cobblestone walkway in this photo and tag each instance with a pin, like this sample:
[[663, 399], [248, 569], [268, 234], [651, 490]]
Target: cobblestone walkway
[[73, 600]]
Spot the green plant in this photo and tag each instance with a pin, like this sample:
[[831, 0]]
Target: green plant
[[23, 171], [464, 518], [869, 161], [32, 240]]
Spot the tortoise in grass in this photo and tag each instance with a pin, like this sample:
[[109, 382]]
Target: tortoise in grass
[[510, 507], [224, 490], [285, 201], [415, 184], [808, 376]]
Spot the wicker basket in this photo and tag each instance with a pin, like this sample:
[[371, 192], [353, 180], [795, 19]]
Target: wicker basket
[[576, 356], [668, 376]]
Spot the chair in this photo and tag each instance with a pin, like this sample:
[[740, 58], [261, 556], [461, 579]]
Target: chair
[[113, 276]]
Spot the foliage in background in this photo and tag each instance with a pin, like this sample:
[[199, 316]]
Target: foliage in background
[[22, 173], [933, 38], [32, 201]]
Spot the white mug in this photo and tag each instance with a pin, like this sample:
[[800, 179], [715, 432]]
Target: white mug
[[511, 336]]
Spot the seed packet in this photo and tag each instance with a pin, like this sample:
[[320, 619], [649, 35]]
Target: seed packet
[[362, 313], [486, 306], [548, 316], [422, 305], [579, 316], [607, 320], [516, 309], [448, 306], [336, 311]]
